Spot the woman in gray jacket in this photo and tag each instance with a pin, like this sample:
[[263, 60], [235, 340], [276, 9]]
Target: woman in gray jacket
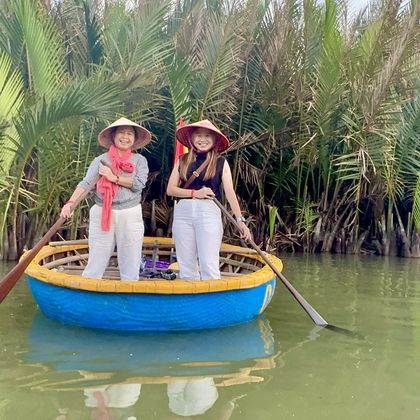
[[116, 218]]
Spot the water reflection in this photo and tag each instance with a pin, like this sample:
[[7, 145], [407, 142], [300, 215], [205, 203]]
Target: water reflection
[[188, 353], [192, 397], [112, 401], [111, 369], [186, 398]]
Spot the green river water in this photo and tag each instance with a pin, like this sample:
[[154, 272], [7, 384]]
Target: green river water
[[277, 367]]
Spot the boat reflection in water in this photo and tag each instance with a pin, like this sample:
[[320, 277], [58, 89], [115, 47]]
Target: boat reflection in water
[[111, 367]]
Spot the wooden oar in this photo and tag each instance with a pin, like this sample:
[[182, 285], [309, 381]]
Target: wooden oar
[[315, 316], [11, 278]]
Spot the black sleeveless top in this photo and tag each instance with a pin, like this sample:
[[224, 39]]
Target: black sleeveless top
[[213, 183]]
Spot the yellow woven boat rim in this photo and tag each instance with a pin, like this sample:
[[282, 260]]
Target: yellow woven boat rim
[[168, 287]]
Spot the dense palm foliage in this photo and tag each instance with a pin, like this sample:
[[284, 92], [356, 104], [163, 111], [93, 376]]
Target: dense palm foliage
[[322, 108]]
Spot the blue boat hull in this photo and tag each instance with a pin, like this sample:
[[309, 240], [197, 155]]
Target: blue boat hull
[[150, 311]]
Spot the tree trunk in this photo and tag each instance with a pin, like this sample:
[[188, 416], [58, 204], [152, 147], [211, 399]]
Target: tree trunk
[[12, 253], [415, 245]]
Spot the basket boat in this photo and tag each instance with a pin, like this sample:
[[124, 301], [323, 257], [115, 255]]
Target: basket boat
[[244, 291]]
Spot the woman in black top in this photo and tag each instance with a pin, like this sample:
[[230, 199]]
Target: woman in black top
[[197, 226]]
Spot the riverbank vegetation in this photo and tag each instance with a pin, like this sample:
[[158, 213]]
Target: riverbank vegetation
[[322, 108]]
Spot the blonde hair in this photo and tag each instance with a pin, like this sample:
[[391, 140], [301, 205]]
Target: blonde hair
[[186, 160]]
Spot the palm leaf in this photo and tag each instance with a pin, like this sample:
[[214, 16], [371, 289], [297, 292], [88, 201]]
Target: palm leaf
[[149, 48], [43, 51], [11, 35], [95, 47], [11, 88], [135, 45], [80, 100], [11, 98], [216, 59], [416, 204]]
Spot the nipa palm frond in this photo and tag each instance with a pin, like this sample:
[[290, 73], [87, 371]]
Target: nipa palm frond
[[46, 71], [11, 98], [180, 80], [149, 46], [416, 204], [216, 60], [136, 46]]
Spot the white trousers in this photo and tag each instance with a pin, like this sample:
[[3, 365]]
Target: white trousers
[[114, 396], [197, 230], [192, 397], [126, 231]]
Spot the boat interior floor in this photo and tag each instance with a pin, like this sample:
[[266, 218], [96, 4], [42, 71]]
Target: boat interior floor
[[159, 262]]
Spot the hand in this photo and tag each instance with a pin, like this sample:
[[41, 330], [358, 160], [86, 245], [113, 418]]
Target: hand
[[106, 171], [204, 192], [66, 211], [245, 232]]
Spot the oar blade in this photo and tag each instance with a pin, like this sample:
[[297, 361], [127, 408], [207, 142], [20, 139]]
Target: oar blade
[[313, 314], [11, 278]]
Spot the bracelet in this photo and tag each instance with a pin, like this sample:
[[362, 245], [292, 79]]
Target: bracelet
[[240, 219], [118, 179], [192, 193]]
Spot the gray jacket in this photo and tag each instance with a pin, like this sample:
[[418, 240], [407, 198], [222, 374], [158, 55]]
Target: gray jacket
[[125, 197]]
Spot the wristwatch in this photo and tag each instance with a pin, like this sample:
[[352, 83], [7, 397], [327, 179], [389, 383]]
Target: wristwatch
[[240, 219]]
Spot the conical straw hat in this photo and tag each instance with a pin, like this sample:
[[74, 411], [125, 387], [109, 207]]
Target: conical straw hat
[[184, 133], [106, 136]]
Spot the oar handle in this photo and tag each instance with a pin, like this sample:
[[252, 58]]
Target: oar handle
[[316, 317], [11, 278]]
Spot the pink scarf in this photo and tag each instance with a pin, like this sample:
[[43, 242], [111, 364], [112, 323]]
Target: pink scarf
[[109, 189]]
